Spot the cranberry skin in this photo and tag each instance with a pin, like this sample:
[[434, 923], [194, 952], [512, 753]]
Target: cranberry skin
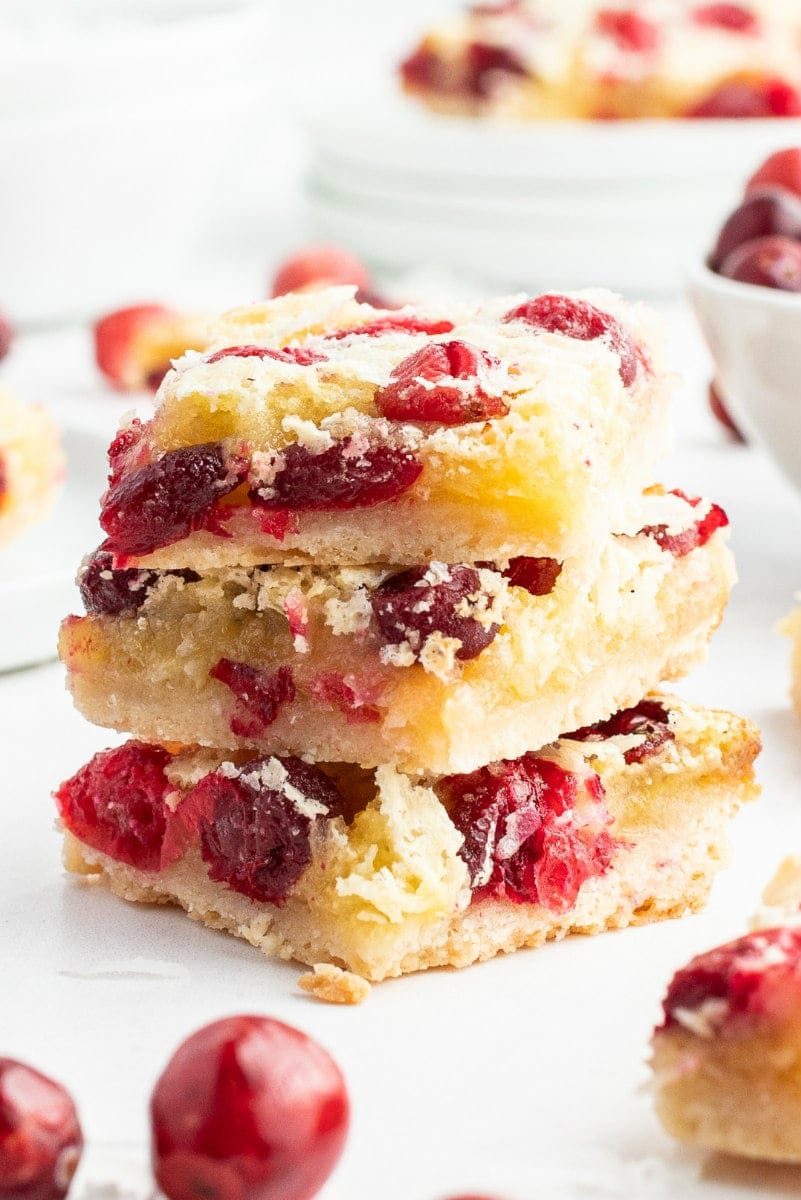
[[410, 396], [259, 695], [748, 99], [771, 262], [167, 499], [781, 170], [393, 323], [721, 413], [580, 320], [253, 837], [408, 608], [7, 335], [318, 267], [347, 475], [695, 535], [537, 575], [761, 214], [733, 17], [117, 804], [649, 718], [486, 66], [424, 71], [109, 591], [630, 31], [299, 356], [40, 1135], [248, 1109]]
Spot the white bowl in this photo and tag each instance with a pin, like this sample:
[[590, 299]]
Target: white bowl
[[754, 334]]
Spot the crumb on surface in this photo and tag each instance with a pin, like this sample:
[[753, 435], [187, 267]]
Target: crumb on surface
[[333, 985]]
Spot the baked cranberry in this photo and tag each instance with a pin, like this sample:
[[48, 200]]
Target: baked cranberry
[[720, 412], [487, 65], [424, 70], [533, 832], [319, 267], [630, 31], [749, 98], [300, 356], [695, 535], [259, 694], [536, 575], [442, 382], [117, 804], [737, 973], [40, 1135], [578, 319], [771, 262], [781, 170], [735, 17], [248, 1109], [393, 323], [761, 214], [167, 499], [648, 719], [127, 451], [106, 590], [255, 825], [413, 604], [357, 472], [7, 335], [353, 696]]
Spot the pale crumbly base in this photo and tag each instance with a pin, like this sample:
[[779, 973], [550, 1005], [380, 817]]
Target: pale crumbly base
[[738, 1091], [32, 465], [671, 811]]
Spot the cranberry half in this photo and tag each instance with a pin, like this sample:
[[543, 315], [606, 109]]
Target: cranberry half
[[40, 1135], [583, 321], [248, 1109], [442, 382]]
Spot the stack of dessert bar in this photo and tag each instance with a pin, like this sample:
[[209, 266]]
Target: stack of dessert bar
[[384, 601]]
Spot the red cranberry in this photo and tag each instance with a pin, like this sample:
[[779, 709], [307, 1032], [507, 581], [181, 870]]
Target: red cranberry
[[441, 382], [127, 451], [578, 319], [358, 472], [734, 972], [698, 534], [721, 413], [351, 695], [771, 262], [259, 694], [40, 1135], [781, 170], [318, 267], [109, 591], [254, 828], [117, 804], [631, 32], [248, 1109], [536, 575], [735, 17], [7, 335], [525, 839], [648, 719], [413, 604], [300, 356], [760, 215], [393, 323], [166, 499], [748, 98], [486, 66], [425, 71]]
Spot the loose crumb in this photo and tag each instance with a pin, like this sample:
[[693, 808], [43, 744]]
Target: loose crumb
[[334, 986]]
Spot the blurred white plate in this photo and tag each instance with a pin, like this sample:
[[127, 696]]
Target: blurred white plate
[[37, 571]]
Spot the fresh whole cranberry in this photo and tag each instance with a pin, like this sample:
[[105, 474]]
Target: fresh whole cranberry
[[7, 335], [413, 604], [583, 321], [781, 170], [167, 499], [761, 214], [442, 382], [319, 267], [487, 65], [40, 1135], [248, 1109], [393, 323], [628, 29], [117, 804], [771, 262], [734, 17], [749, 99], [255, 826], [357, 472], [259, 694], [649, 719], [299, 356]]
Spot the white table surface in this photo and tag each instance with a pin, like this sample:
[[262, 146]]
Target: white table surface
[[523, 1077]]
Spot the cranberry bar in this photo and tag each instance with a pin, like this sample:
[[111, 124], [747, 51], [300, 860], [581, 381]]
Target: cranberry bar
[[436, 669], [531, 59], [615, 824], [31, 465], [318, 429]]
